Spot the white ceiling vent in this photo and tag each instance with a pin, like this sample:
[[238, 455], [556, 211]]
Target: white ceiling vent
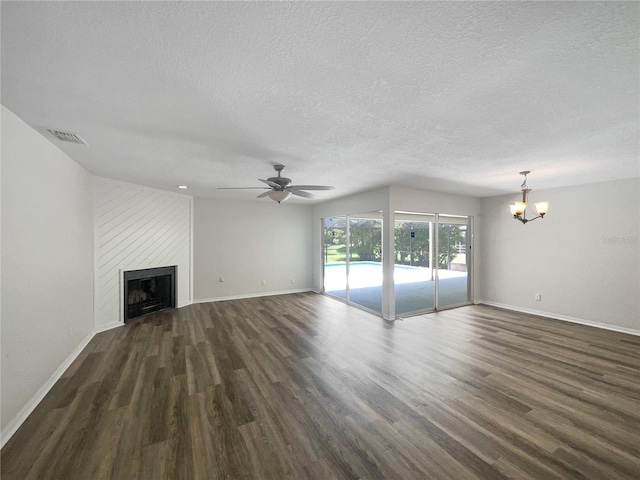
[[67, 137]]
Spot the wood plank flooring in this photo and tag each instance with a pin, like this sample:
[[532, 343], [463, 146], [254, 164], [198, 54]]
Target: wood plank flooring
[[304, 387]]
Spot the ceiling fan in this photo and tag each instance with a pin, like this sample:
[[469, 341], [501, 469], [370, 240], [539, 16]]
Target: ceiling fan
[[280, 187]]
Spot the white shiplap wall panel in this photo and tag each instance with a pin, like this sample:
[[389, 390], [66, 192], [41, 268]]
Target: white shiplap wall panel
[[138, 227]]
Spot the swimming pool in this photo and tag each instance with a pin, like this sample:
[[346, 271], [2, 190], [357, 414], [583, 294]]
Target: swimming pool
[[369, 274]]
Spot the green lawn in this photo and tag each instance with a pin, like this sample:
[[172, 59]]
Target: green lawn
[[338, 253]]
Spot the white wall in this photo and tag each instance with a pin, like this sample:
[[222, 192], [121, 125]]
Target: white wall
[[47, 263], [247, 242], [138, 227], [423, 201], [583, 257]]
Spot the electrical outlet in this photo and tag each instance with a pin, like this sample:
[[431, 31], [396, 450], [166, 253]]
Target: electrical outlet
[[538, 297], [221, 279], [264, 282], [293, 280]]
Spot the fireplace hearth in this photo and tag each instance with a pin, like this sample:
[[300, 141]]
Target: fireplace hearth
[[148, 290]]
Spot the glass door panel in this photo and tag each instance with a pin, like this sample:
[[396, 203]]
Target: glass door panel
[[413, 271], [335, 256], [453, 261], [364, 271]]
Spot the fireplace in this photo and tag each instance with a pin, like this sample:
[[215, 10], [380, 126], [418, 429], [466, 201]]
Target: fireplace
[[149, 290]]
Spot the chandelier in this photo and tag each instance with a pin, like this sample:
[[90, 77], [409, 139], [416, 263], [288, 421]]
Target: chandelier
[[518, 208]]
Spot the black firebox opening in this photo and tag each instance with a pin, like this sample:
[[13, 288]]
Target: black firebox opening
[[148, 290]]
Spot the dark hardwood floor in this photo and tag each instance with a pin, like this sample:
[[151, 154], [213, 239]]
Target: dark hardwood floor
[[304, 387]]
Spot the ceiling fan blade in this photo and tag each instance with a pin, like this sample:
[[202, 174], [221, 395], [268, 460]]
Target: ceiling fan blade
[[270, 183], [310, 187], [300, 193], [264, 194], [242, 188]]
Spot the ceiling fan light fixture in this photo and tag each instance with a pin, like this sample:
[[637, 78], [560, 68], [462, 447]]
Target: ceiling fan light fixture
[[280, 188], [279, 195]]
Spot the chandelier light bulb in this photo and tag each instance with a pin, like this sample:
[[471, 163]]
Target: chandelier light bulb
[[542, 208]]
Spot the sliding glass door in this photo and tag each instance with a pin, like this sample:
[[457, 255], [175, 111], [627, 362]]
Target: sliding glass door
[[425, 280], [353, 259], [432, 257], [364, 275], [413, 270], [453, 286], [335, 256]]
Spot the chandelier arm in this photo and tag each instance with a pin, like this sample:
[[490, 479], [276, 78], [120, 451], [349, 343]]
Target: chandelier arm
[[525, 220]]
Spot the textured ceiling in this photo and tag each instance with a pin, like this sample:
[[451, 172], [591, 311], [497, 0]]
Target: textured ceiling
[[446, 96]]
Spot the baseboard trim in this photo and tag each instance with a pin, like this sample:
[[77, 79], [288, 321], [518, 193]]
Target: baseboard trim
[[251, 295], [22, 415], [108, 326], [564, 318]]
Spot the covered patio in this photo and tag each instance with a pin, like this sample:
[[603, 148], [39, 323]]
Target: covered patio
[[414, 286]]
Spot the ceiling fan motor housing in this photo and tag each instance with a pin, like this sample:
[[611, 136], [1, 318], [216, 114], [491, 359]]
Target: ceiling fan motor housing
[[284, 182]]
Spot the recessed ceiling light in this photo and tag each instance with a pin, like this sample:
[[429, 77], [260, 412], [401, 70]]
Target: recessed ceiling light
[[183, 187]]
